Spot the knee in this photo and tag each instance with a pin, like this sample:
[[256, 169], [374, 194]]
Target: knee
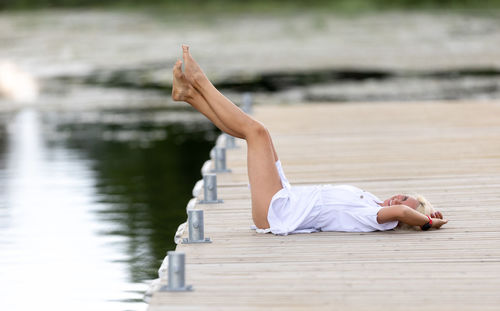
[[257, 129]]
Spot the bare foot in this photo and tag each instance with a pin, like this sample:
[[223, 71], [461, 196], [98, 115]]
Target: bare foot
[[182, 90], [192, 70]]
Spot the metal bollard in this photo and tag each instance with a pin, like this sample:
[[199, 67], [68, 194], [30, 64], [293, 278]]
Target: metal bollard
[[220, 160], [196, 228], [247, 103], [221, 140], [230, 142], [210, 189], [176, 273]]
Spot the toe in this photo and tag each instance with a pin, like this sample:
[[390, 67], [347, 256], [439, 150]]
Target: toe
[[185, 54], [178, 68]]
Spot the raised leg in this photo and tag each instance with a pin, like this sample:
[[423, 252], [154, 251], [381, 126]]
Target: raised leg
[[262, 172], [182, 90]]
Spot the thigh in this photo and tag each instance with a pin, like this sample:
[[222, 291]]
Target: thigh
[[263, 176]]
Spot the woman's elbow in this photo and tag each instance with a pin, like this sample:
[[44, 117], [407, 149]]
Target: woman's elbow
[[392, 213]]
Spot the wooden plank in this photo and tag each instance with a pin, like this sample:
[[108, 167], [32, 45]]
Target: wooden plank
[[450, 152]]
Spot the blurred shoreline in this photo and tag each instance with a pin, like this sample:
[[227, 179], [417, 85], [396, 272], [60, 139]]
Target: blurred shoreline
[[289, 57]]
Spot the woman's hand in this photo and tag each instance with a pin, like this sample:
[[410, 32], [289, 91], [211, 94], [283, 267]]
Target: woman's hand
[[438, 222], [408, 216], [436, 215]]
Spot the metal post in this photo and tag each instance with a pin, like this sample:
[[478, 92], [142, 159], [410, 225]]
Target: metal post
[[247, 103], [221, 139], [176, 273], [210, 189], [220, 160], [196, 228], [230, 142]]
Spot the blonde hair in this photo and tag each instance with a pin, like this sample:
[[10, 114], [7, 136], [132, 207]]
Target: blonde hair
[[425, 207]]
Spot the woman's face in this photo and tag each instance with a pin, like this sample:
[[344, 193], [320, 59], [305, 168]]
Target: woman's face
[[401, 199]]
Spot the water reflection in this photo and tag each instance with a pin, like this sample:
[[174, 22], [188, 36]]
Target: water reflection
[[92, 201], [3, 147]]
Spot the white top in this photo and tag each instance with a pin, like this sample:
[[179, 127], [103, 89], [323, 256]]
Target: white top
[[305, 209]]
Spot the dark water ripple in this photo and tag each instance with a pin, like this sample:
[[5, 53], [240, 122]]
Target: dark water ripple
[[89, 203]]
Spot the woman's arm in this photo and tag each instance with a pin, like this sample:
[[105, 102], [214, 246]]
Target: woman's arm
[[406, 215]]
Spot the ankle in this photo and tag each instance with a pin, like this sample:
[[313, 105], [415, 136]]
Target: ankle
[[193, 96], [200, 81]]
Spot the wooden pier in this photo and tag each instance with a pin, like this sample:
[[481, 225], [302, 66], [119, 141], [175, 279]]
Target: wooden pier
[[447, 151]]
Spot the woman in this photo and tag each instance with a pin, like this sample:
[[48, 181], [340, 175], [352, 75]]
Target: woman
[[276, 206]]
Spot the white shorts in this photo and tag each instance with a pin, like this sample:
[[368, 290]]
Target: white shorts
[[291, 209]]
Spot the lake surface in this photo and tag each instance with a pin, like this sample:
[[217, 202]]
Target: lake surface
[[90, 202]]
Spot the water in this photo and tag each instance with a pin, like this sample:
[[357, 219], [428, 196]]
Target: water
[[90, 201]]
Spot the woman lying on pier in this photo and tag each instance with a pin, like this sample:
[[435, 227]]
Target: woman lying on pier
[[279, 207]]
